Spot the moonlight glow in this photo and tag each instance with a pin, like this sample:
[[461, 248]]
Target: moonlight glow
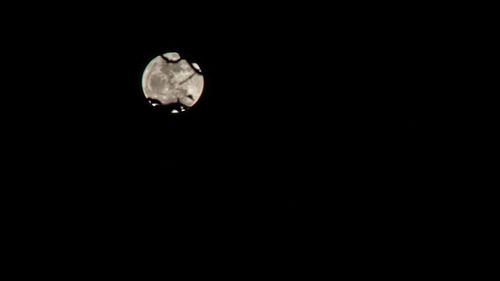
[[169, 79]]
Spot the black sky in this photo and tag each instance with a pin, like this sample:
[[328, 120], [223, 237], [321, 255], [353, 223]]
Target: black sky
[[305, 111]]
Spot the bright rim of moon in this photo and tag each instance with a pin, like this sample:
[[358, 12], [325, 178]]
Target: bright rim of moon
[[170, 80]]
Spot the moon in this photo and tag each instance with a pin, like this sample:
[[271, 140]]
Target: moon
[[171, 80]]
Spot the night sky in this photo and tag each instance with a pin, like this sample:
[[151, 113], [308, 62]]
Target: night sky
[[308, 115]]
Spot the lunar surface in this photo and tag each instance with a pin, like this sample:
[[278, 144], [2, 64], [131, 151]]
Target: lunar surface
[[171, 80]]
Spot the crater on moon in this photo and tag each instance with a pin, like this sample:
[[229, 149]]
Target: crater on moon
[[171, 80]]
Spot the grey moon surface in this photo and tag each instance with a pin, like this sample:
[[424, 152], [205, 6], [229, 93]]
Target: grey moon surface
[[172, 80]]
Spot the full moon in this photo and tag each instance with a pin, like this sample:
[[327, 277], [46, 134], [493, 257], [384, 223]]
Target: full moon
[[170, 80]]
